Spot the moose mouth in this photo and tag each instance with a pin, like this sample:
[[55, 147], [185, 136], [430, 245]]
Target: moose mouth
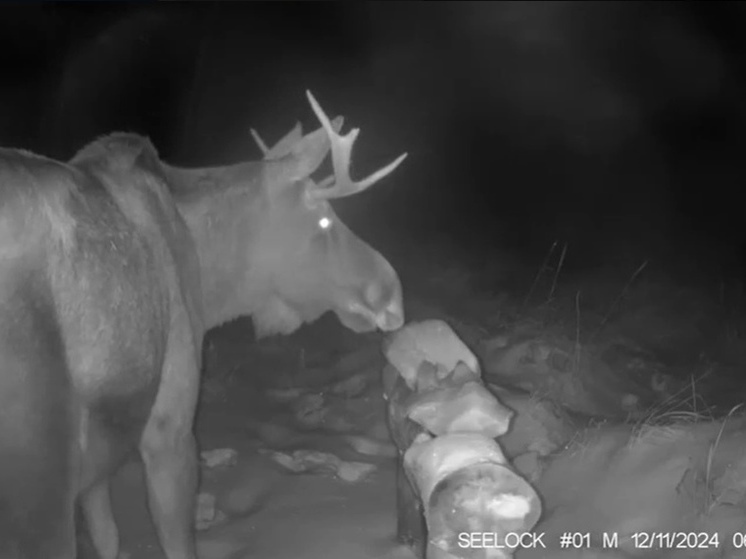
[[362, 319]]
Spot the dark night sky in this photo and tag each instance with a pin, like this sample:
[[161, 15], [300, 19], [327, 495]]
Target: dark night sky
[[613, 126]]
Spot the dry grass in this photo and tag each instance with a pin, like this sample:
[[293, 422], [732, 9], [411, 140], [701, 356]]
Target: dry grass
[[713, 500], [732, 299], [610, 305], [671, 417], [620, 297], [543, 268], [578, 346], [683, 407], [551, 305], [557, 272]]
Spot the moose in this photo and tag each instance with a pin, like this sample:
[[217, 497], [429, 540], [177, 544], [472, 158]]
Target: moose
[[112, 267]]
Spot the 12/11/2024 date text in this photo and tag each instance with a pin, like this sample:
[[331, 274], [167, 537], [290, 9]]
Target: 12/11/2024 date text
[[645, 540]]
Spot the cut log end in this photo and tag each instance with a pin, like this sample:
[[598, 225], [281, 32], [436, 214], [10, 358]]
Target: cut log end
[[482, 498]]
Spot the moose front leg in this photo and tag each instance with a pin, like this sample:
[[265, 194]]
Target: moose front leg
[[96, 506], [171, 475]]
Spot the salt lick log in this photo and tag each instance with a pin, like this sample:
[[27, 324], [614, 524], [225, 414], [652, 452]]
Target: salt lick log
[[452, 477]]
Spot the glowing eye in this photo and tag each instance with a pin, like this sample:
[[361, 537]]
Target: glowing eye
[[325, 223]]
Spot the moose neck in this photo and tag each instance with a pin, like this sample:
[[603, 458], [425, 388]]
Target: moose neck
[[220, 205]]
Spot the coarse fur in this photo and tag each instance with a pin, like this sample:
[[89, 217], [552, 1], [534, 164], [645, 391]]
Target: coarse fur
[[100, 333]]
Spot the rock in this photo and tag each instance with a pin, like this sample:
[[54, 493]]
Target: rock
[[538, 425], [350, 387], [309, 410], [353, 472], [206, 514], [314, 461], [219, 457]]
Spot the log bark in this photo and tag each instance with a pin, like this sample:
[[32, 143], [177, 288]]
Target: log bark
[[411, 529]]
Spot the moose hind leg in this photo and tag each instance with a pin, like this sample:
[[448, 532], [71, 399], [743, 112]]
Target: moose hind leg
[[96, 504], [37, 443]]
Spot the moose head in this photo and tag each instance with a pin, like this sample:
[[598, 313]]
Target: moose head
[[271, 245]]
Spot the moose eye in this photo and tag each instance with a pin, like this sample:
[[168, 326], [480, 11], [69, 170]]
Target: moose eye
[[325, 223]]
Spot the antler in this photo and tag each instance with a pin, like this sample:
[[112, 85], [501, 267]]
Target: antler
[[259, 142], [341, 154]]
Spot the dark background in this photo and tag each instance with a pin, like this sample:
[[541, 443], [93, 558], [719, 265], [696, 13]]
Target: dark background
[[616, 127]]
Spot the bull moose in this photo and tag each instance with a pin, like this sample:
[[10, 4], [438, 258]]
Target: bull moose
[[112, 267]]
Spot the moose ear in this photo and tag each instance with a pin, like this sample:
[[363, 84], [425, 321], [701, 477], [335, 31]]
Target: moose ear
[[283, 147], [309, 153]]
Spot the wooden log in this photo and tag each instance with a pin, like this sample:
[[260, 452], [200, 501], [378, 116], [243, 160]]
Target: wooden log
[[452, 477], [467, 487]]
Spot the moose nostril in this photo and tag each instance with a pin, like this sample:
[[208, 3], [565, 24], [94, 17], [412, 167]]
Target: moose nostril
[[385, 305], [392, 316], [373, 294]]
